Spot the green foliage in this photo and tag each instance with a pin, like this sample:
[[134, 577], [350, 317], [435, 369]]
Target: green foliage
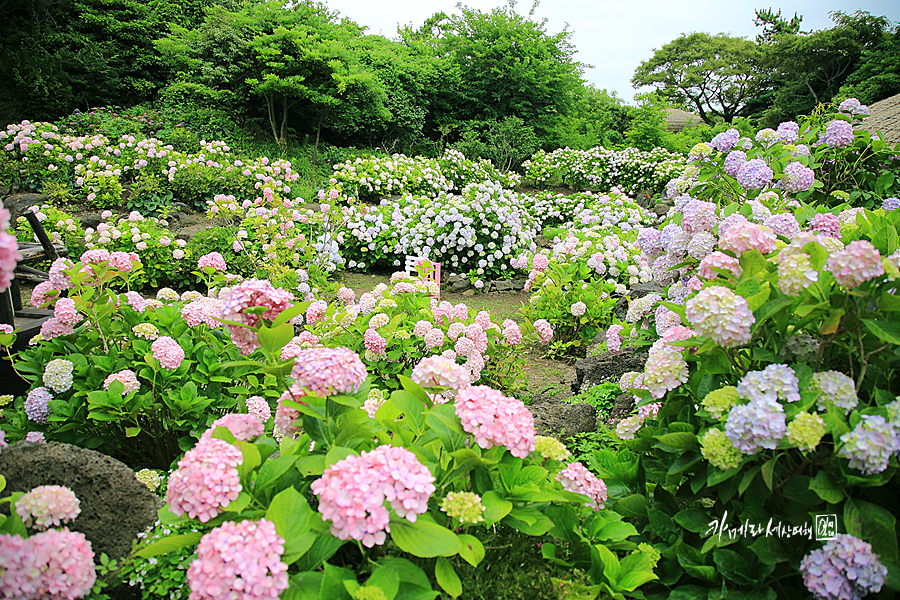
[[601, 396], [598, 118], [878, 74], [506, 143], [716, 74]]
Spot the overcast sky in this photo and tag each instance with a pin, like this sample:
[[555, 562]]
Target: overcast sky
[[616, 36]]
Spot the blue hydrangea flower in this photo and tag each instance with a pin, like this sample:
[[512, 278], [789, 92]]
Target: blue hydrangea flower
[[756, 425], [870, 445], [845, 568]]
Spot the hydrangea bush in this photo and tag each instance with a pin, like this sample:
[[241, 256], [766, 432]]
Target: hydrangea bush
[[773, 359], [631, 170]]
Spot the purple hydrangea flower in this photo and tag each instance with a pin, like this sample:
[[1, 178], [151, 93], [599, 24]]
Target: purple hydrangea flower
[[890, 204], [839, 134], [845, 568], [870, 445], [787, 132], [755, 175], [776, 382], [725, 141], [735, 160], [783, 224], [756, 425], [37, 404], [797, 178]]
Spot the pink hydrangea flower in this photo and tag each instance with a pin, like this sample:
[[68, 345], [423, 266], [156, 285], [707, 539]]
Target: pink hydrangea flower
[[35, 437], [826, 224], [544, 329], [316, 311], [126, 377], [327, 371], [53, 328], [214, 260], [437, 371], [40, 294], [259, 408], [353, 491], [239, 560], [59, 280], [121, 261], [54, 564], [720, 314], [665, 370], [495, 419], [286, 416], [346, 295], [65, 311], [243, 427], [540, 262], [136, 302], [48, 505], [206, 480], [9, 251], [250, 293], [512, 335], [719, 260], [421, 328], [577, 479], [434, 338], [374, 343], [167, 351], [860, 261], [205, 310], [699, 216], [745, 235], [95, 256], [455, 330]]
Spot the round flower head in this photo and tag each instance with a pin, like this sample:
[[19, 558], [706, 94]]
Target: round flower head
[[374, 343], [795, 271], [40, 295], [328, 371], [745, 235], [783, 224], [889, 204], [551, 448], [167, 351], [48, 505], [838, 134], [35, 437], [666, 369], [719, 451], [720, 314], [37, 404], [718, 402], [353, 491], [787, 132], [259, 408], [756, 425], [827, 224], [58, 375], [545, 330], [127, 378], [214, 260], [206, 480], [718, 260], [65, 311], [540, 262], [495, 419], [148, 331], [755, 174], [726, 140], [578, 309], [698, 216], [613, 338], [252, 293], [239, 560], [870, 445], [167, 295], [734, 162], [150, 478], [61, 563], [465, 506], [775, 382], [805, 431], [437, 371], [858, 262], [243, 427], [835, 388], [628, 427], [845, 568], [59, 280], [797, 178], [577, 479]]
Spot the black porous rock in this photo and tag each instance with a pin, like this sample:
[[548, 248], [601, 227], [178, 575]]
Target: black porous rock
[[115, 506], [555, 417], [607, 367]]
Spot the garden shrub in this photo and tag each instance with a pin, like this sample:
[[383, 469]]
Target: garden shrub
[[773, 371]]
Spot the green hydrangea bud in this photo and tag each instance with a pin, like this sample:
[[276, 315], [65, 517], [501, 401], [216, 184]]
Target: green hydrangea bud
[[652, 553], [149, 478], [805, 431], [369, 593], [719, 451], [893, 410], [465, 506], [402, 334], [551, 448], [718, 402], [5, 399]]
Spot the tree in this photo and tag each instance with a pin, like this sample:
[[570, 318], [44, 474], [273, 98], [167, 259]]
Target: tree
[[509, 66], [716, 74], [598, 118], [810, 67], [878, 74]]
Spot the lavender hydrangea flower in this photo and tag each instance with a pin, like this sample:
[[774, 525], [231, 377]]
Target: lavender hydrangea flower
[[734, 162], [845, 568], [775, 382], [797, 177], [726, 140], [890, 204], [838, 134], [756, 425], [787, 132], [755, 175], [870, 445]]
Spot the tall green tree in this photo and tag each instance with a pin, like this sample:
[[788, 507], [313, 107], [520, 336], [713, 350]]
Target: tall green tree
[[810, 67], [718, 75], [878, 74]]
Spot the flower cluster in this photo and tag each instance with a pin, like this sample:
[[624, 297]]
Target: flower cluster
[[243, 427], [259, 408], [720, 314], [206, 480], [551, 448], [37, 404], [870, 444], [328, 371], [249, 294], [756, 425], [58, 375], [438, 371], [239, 560], [495, 419], [127, 378], [352, 493], [52, 564], [717, 448], [48, 505], [576, 478], [168, 352], [465, 506], [845, 568]]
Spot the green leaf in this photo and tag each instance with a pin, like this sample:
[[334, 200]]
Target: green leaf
[[336, 454], [290, 513], [424, 539], [529, 521], [273, 339], [769, 309], [271, 470], [611, 568], [412, 408], [132, 431], [447, 578], [333, 579], [616, 531], [886, 331], [694, 520], [252, 459], [874, 524], [632, 506], [768, 471], [679, 440], [387, 580], [495, 507], [752, 262], [826, 488], [471, 549], [170, 544]]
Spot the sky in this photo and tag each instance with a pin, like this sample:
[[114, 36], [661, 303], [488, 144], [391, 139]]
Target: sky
[[614, 37]]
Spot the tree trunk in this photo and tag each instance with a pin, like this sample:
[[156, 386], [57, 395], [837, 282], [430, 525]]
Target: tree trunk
[[284, 118], [316, 145], [270, 106]]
